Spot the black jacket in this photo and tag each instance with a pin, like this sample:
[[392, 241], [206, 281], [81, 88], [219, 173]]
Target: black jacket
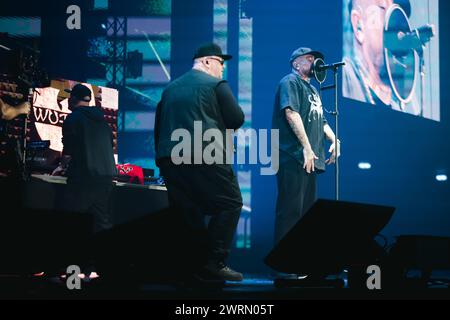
[[195, 96], [88, 139]]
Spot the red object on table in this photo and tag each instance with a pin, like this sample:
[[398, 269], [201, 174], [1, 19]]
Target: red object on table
[[135, 173]]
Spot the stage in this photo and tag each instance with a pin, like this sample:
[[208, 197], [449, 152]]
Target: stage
[[253, 290], [294, 137]]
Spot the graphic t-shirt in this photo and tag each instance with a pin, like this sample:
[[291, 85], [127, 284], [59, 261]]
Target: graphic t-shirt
[[300, 96]]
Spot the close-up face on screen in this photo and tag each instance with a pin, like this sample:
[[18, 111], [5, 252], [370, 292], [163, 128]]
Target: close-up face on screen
[[392, 51]]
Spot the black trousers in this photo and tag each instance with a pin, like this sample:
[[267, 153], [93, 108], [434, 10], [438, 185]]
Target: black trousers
[[197, 191], [296, 195], [90, 198]]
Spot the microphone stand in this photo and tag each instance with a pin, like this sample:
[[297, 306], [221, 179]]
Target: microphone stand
[[420, 53], [334, 86], [336, 114]]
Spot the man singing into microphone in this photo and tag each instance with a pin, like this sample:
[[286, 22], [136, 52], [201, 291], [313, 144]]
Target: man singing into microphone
[[298, 115]]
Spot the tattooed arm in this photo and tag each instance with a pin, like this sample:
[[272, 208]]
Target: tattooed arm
[[296, 123], [329, 134]]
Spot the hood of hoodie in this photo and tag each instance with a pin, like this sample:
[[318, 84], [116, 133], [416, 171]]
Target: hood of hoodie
[[94, 113]]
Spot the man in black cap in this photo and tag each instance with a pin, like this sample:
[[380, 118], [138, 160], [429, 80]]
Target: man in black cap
[[200, 98], [298, 115], [88, 159]]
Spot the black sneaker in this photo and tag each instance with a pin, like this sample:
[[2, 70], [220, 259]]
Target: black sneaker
[[224, 273]]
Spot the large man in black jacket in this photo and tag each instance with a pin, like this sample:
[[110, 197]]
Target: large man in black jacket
[[200, 98], [88, 159]]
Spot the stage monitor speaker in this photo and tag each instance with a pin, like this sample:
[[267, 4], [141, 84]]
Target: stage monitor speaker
[[329, 237]]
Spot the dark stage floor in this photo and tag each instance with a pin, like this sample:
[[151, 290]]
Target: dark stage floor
[[254, 287]]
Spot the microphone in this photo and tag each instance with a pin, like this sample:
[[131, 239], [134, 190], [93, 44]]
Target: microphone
[[412, 40], [323, 67], [319, 69], [417, 37]]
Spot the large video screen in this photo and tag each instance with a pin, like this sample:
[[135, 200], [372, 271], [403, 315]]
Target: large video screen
[[391, 50]]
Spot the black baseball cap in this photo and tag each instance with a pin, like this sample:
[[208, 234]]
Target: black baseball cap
[[303, 52], [404, 4], [211, 49], [80, 92]]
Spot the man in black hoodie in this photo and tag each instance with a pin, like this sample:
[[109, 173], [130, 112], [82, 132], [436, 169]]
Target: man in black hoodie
[[88, 159]]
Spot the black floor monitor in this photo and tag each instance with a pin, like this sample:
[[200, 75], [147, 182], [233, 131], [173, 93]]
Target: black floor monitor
[[329, 237]]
